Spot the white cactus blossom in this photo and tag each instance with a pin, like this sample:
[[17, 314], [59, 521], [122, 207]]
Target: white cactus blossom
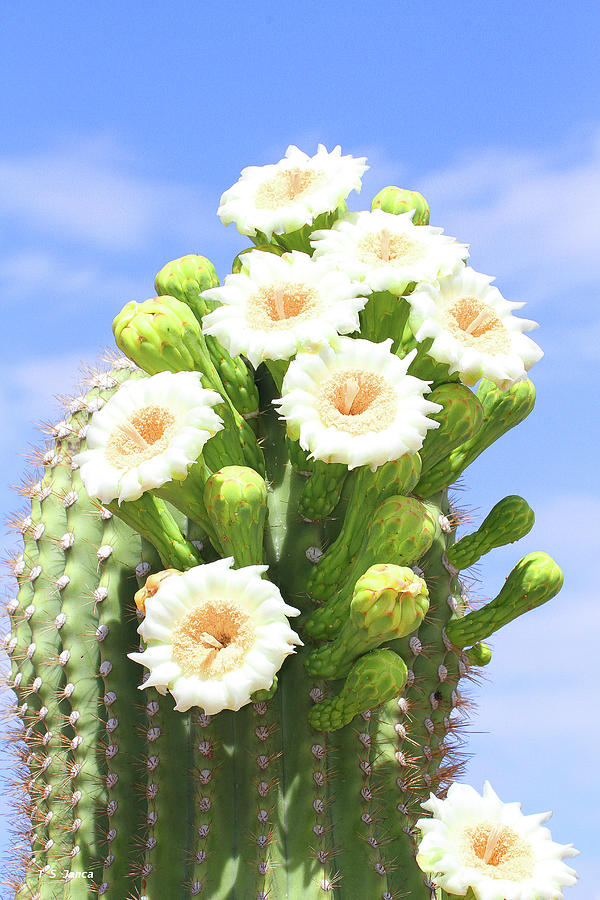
[[281, 198], [479, 842], [387, 252], [148, 433], [278, 305], [473, 329], [353, 403], [214, 635]]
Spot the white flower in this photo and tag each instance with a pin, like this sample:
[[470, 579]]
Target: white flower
[[355, 404], [281, 198], [149, 432], [278, 305], [388, 252], [473, 329], [214, 635], [478, 842]]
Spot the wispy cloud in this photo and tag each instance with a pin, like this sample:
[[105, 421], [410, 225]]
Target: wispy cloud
[[532, 214], [90, 191]]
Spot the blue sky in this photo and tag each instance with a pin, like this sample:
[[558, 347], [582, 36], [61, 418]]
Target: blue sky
[[122, 127]]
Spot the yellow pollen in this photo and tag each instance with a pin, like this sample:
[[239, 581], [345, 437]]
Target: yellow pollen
[[357, 401], [385, 246], [285, 186], [349, 392], [212, 639], [498, 851], [146, 434], [281, 305], [475, 324]]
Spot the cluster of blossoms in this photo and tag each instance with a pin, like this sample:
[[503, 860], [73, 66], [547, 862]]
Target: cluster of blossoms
[[213, 635]]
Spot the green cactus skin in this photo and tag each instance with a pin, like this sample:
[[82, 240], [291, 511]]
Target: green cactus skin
[[186, 278], [502, 410], [460, 419], [533, 581], [322, 490], [382, 609], [236, 500], [151, 518], [313, 789], [395, 200], [400, 531], [479, 655], [384, 316], [161, 335], [368, 490], [374, 678], [238, 262], [508, 521], [300, 239]]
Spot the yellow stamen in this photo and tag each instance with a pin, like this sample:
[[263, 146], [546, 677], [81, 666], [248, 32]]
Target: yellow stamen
[[207, 638], [492, 842], [349, 392], [132, 434]]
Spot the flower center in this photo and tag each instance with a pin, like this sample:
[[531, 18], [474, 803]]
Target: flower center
[[476, 324], [212, 639], [356, 401], [498, 851], [145, 434], [384, 246], [285, 186], [281, 305]]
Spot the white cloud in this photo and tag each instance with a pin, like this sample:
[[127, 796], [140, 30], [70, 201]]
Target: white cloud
[[89, 191], [531, 215]]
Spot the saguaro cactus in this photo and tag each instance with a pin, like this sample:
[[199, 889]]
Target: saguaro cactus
[[259, 486]]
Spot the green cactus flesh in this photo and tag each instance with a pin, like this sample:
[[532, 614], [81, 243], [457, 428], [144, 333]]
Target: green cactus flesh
[[313, 788]]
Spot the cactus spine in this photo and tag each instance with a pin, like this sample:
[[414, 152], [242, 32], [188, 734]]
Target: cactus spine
[[313, 788]]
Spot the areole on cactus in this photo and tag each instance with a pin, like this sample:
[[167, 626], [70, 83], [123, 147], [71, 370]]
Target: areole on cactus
[[282, 446]]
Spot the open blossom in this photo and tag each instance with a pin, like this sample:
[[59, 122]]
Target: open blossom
[[355, 404], [387, 252], [214, 635], [473, 329], [278, 305], [148, 433], [478, 842], [281, 198]]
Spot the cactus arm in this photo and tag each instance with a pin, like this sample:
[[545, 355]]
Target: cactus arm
[[322, 490], [188, 497], [287, 539], [235, 498], [383, 608], [459, 420], [213, 850], [150, 517], [533, 581], [45, 654], [374, 678], [410, 731], [29, 702], [125, 804], [354, 810], [81, 670], [400, 531], [369, 489], [508, 521], [502, 410], [166, 868]]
